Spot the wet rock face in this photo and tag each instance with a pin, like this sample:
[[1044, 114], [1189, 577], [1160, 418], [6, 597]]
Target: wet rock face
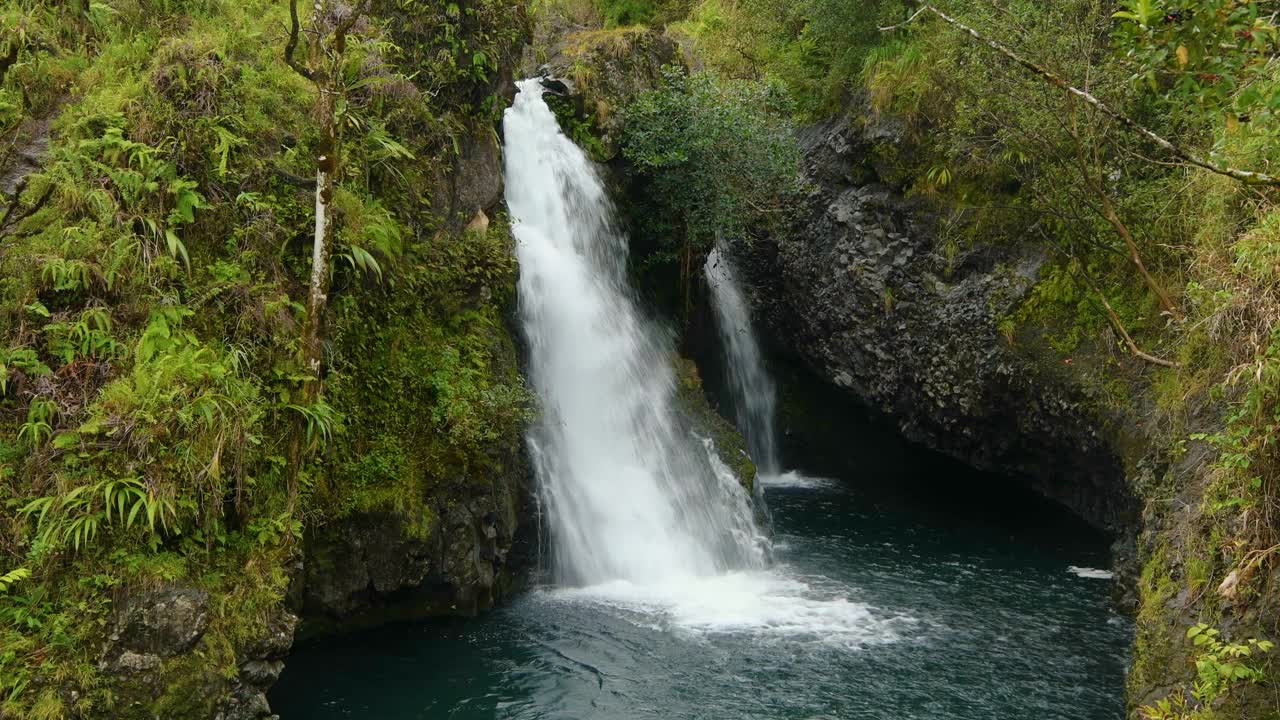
[[859, 291], [375, 567], [260, 666], [477, 179]]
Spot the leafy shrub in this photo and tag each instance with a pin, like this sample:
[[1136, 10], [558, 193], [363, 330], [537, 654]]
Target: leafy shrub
[[717, 156]]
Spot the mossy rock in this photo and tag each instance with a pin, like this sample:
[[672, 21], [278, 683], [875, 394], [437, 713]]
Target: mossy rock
[[691, 401]]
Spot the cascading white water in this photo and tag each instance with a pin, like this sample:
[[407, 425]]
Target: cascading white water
[[628, 492], [644, 519], [754, 395]]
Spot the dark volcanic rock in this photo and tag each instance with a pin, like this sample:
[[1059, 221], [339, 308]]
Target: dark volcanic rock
[[556, 85], [478, 176], [160, 629], [858, 291], [161, 624], [376, 566]]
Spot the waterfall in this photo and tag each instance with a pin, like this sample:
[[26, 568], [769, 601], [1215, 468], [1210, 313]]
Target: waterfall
[[629, 493], [754, 396]]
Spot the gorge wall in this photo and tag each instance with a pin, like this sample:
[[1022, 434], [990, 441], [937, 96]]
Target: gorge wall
[[859, 290]]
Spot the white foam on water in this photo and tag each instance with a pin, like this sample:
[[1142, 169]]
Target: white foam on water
[[1091, 573], [794, 479], [769, 605]]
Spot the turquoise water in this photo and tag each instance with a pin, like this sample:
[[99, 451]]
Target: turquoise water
[[928, 599]]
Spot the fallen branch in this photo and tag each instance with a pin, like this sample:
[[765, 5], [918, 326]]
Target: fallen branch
[[1249, 177]]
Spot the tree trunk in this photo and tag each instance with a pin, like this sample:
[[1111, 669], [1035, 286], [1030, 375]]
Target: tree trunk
[[318, 293], [1095, 180], [325, 71]]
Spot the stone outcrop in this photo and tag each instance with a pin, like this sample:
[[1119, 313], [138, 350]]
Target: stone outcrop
[[858, 291], [374, 567], [600, 71], [155, 632]]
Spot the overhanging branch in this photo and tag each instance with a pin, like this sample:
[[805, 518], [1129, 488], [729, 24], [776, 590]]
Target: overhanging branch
[[1248, 177]]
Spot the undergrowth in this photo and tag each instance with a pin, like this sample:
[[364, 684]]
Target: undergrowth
[[151, 277]]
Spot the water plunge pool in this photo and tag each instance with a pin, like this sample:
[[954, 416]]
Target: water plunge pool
[[924, 599]]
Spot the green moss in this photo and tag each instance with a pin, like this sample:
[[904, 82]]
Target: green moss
[[1155, 653], [426, 380], [691, 400]]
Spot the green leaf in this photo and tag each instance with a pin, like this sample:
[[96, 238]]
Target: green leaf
[[176, 248]]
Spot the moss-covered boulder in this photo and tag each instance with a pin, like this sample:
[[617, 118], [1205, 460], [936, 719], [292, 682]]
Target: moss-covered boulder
[[606, 70]]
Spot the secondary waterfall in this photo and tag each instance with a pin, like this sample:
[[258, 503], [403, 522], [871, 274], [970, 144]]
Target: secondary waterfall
[[629, 493], [754, 396]]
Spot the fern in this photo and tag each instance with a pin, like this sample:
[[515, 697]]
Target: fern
[[76, 517], [13, 577], [39, 424], [23, 360], [321, 420], [370, 232]]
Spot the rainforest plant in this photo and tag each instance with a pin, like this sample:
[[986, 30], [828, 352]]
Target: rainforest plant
[[718, 156]]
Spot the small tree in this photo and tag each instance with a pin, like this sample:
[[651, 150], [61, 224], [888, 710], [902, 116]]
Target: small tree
[[332, 22], [324, 69], [718, 156]]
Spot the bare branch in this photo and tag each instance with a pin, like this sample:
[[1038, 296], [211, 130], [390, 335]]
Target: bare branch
[[292, 45], [297, 180], [906, 22], [349, 22], [1119, 326], [1111, 313]]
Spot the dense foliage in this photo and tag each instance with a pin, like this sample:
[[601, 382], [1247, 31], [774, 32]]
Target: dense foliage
[[716, 158], [153, 266], [815, 47]]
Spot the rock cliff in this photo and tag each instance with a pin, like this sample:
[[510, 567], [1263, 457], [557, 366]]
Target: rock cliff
[[858, 290]]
